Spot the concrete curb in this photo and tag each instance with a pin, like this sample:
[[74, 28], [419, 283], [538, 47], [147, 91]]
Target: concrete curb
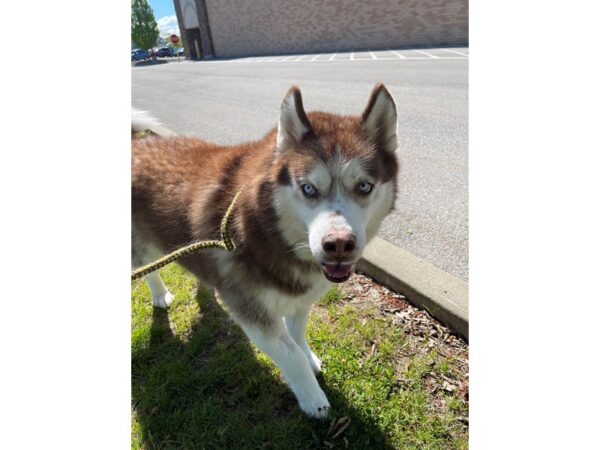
[[161, 131], [443, 295]]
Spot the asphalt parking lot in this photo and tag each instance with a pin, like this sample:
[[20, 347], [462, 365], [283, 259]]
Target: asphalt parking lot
[[233, 100]]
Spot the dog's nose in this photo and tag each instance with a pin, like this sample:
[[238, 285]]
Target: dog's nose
[[339, 244]]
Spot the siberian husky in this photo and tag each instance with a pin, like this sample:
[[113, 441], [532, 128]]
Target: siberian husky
[[314, 191]]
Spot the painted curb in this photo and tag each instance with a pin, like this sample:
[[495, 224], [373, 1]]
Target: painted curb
[[444, 296]]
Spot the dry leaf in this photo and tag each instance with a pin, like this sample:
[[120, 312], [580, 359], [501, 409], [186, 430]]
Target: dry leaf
[[345, 423]]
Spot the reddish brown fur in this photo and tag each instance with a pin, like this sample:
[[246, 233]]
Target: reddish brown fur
[[181, 188]]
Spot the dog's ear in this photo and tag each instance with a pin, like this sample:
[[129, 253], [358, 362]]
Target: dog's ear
[[379, 119], [293, 122]]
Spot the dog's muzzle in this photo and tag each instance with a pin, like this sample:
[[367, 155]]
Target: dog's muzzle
[[337, 272]]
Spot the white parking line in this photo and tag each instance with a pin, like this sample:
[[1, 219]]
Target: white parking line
[[454, 51], [401, 56], [428, 54], [394, 55]]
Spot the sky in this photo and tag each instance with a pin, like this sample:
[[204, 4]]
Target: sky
[[164, 13]]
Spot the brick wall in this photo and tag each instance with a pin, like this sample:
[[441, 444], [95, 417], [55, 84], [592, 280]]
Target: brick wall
[[265, 27]]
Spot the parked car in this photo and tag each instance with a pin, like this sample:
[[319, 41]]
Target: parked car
[[138, 55], [179, 51], [165, 51]]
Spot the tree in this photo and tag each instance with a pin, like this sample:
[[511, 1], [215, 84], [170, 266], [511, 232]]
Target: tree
[[144, 30]]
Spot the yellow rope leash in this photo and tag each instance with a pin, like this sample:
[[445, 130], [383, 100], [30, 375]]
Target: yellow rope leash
[[225, 243]]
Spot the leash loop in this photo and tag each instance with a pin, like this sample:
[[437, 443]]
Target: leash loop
[[225, 244]]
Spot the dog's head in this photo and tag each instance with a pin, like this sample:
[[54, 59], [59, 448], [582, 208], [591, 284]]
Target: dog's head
[[336, 178]]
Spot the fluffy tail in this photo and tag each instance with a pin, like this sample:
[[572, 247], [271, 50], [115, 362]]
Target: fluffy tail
[[142, 121]]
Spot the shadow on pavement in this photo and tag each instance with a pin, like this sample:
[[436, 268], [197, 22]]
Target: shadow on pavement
[[149, 63]]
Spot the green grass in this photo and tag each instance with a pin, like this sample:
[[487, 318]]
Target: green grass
[[198, 383]]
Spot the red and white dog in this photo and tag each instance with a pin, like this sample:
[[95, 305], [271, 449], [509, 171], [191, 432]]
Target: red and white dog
[[314, 192]]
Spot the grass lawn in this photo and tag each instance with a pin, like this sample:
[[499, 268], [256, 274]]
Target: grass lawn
[[395, 377]]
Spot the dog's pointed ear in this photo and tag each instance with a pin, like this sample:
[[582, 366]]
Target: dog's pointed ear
[[379, 119], [293, 123]]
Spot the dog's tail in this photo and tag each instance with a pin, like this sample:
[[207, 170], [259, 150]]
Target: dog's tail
[[142, 121]]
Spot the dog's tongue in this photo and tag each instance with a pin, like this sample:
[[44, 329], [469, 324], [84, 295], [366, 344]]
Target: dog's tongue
[[337, 270]]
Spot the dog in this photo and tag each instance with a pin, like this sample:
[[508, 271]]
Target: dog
[[314, 191]]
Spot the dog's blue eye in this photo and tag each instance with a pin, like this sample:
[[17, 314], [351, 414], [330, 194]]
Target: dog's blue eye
[[309, 190], [365, 187]]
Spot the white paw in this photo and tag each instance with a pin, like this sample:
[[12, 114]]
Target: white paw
[[315, 404], [315, 363], [163, 300]]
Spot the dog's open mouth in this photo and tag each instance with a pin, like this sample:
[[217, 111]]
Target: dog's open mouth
[[337, 272]]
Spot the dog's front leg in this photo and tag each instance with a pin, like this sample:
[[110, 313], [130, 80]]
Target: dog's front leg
[[161, 297], [277, 343], [296, 325]]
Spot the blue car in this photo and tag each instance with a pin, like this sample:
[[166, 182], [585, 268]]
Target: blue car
[[138, 55]]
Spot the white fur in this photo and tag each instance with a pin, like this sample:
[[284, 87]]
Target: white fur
[[320, 177], [379, 207], [161, 297], [326, 220], [281, 305], [286, 344], [294, 231], [276, 303], [383, 119], [144, 254], [142, 120], [353, 172], [294, 365], [296, 325], [301, 221], [290, 128]]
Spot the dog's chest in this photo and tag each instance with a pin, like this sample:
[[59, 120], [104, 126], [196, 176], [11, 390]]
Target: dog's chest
[[281, 304]]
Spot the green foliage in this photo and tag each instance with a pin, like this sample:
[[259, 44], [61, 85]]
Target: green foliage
[[144, 30]]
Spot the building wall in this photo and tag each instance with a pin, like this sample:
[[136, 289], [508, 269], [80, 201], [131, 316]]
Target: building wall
[[265, 27], [181, 22], [190, 14], [205, 34]]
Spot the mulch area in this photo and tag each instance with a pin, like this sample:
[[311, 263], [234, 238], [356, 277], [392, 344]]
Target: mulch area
[[424, 334]]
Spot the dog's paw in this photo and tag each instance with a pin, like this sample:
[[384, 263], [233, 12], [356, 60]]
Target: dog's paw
[[163, 300], [315, 363], [316, 406]]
